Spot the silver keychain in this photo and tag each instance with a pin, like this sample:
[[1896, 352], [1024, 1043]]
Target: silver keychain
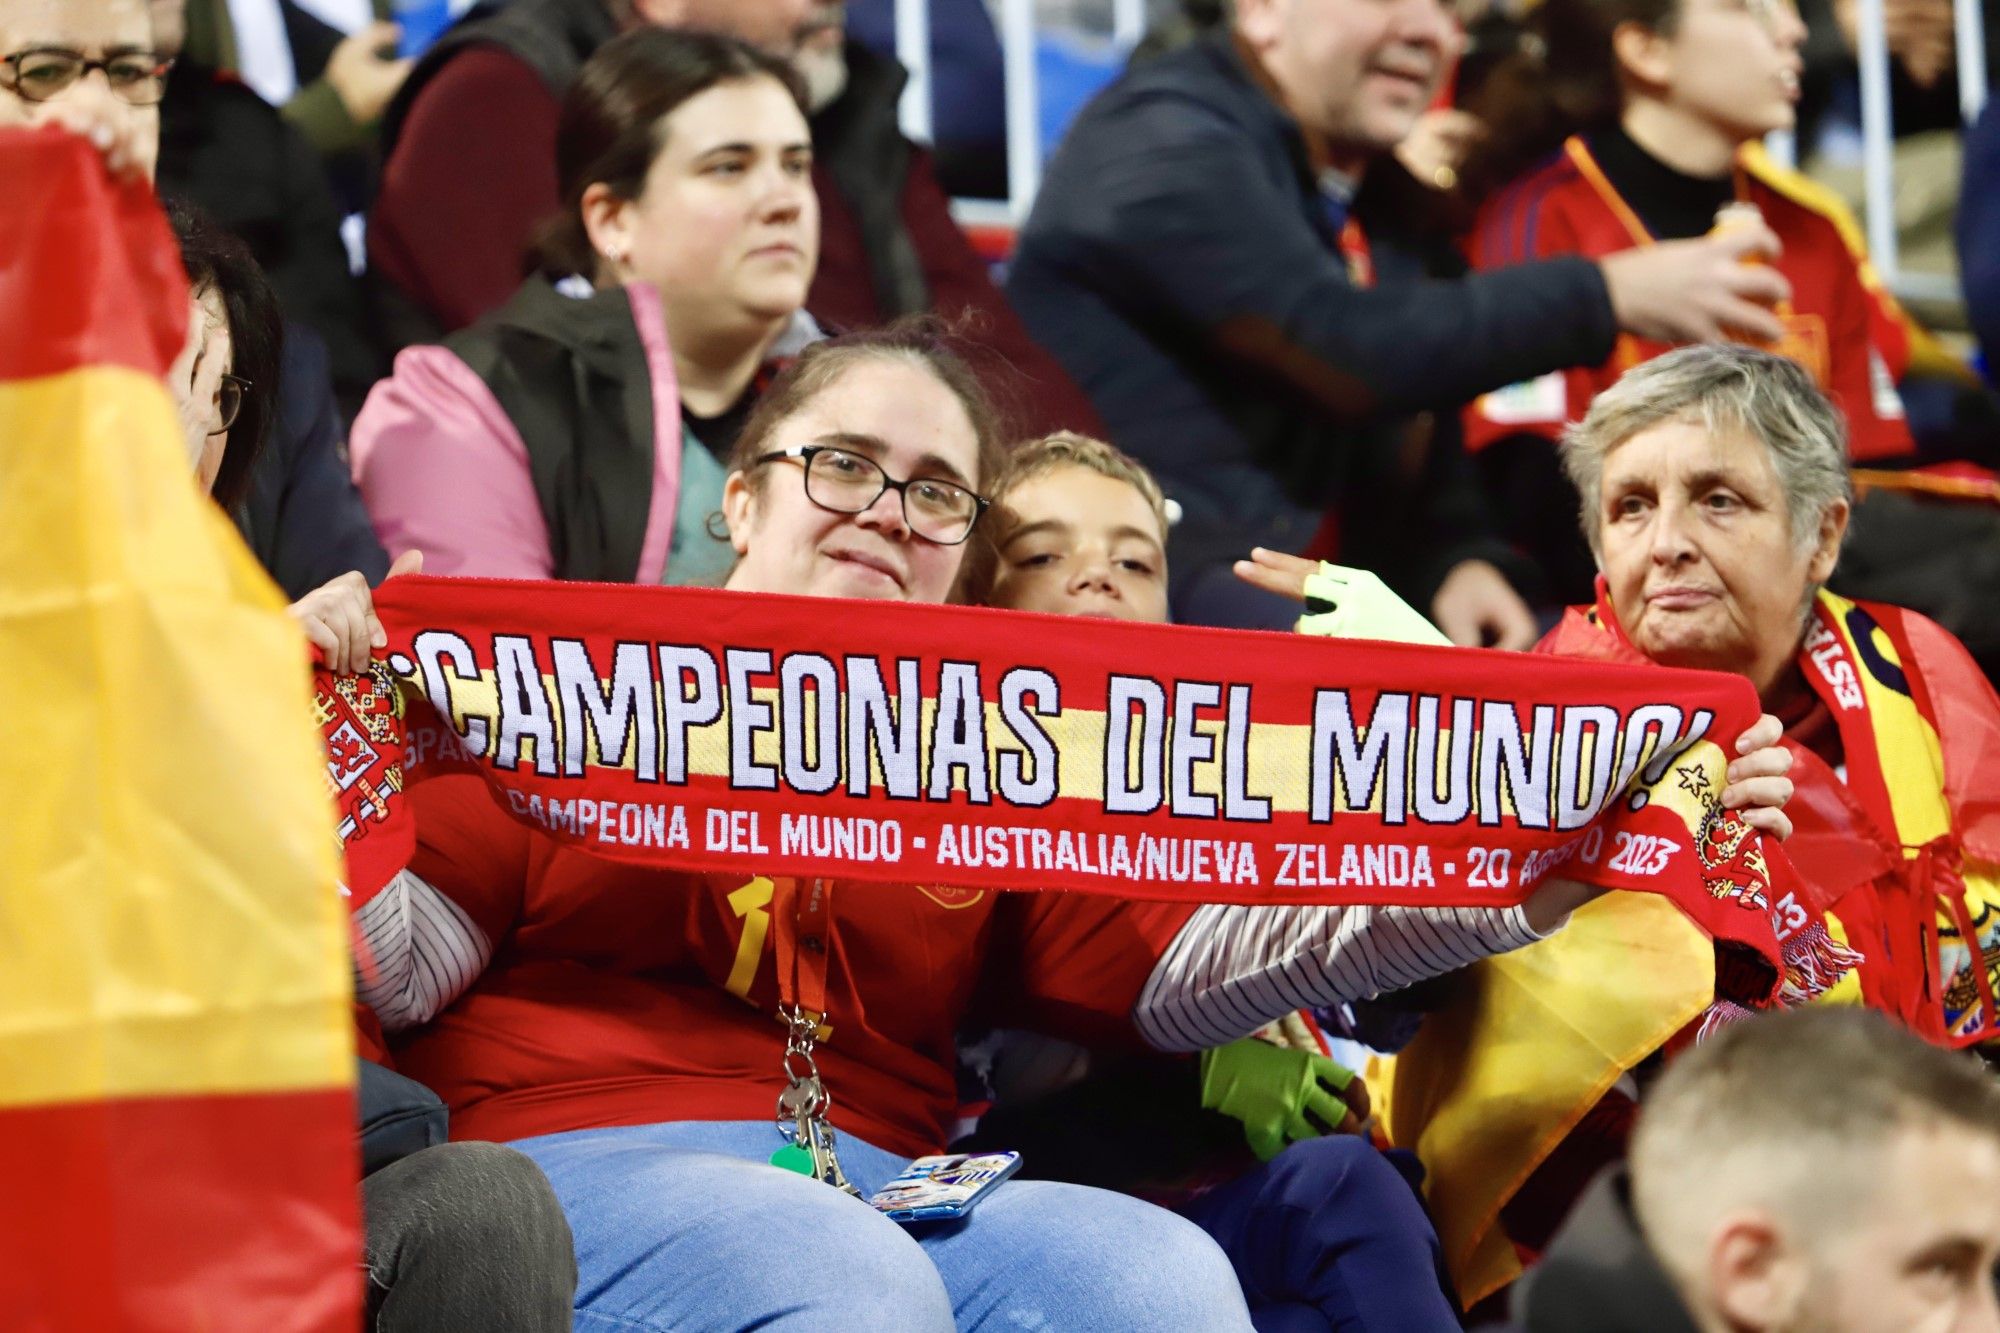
[[803, 1105]]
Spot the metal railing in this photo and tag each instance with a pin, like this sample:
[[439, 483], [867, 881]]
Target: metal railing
[[1018, 40], [1878, 160]]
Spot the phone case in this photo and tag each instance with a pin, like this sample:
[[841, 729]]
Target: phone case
[[938, 1189]]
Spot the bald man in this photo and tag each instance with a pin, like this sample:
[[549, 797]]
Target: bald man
[[1813, 1171]]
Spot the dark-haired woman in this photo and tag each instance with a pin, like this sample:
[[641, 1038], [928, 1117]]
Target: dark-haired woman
[[1641, 121], [579, 432], [462, 1235], [225, 385], [235, 345]]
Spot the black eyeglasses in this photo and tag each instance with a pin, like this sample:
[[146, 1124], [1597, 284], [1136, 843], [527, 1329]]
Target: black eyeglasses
[[845, 482], [44, 73], [229, 396]]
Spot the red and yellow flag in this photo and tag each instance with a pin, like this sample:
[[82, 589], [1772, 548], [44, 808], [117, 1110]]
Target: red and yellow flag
[[177, 1142]]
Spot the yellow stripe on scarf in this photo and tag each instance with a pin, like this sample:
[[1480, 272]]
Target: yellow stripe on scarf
[[1906, 744]]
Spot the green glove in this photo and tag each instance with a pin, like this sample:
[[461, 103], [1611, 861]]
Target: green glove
[[1348, 603], [1272, 1089]]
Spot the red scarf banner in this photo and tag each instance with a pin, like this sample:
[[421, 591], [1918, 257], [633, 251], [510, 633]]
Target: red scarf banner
[[792, 736]]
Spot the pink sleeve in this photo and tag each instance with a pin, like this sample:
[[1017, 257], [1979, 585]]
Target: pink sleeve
[[651, 322], [443, 471]]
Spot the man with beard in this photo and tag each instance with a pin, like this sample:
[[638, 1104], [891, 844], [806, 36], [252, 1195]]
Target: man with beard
[[470, 148]]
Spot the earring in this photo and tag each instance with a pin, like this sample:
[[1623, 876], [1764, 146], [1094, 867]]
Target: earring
[[615, 256]]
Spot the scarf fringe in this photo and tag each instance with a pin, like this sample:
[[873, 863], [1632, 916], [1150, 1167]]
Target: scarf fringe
[[1815, 962]]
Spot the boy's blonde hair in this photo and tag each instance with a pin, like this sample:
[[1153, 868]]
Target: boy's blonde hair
[[1034, 458], [1066, 448]]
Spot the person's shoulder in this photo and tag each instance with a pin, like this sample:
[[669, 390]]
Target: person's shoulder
[[1507, 224], [305, 387], [1935, 647], [204, 109], [1795, 205], [1556, 175], [216, 91], [1199, 87], [479, 72]]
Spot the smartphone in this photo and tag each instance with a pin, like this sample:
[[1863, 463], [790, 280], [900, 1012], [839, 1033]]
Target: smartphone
[[945, 1187], [422, 23]]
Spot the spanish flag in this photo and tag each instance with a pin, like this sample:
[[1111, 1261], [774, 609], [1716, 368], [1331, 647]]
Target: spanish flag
[[177, 1139]]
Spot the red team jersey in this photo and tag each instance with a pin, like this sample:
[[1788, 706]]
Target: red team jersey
[[1839, 324], [622, 995]]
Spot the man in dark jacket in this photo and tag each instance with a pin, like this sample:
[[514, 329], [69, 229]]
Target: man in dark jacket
[[470, 172], [1228, 259], [1815, 1169]]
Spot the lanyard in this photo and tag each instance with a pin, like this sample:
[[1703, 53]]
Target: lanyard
[[802, 916]]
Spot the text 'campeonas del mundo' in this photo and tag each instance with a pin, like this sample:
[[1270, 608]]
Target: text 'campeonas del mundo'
[[902, 729]]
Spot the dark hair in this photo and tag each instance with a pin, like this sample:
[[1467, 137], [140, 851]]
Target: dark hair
[[216, 260], [923, 341], [1562, 79], [611, 127]]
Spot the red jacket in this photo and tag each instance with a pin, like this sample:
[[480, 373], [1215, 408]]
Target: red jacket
[[622, 995], [1843, 330]]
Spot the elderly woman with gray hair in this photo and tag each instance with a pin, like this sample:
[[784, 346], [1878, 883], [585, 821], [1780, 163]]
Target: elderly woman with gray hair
[[1714, 494], [1715, 497]]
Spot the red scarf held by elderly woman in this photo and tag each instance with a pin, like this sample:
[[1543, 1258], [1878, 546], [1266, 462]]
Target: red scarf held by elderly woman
[[945, 745], [1884, 842]]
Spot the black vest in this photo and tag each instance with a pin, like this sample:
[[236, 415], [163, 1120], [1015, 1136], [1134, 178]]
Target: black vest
[[571, 374]]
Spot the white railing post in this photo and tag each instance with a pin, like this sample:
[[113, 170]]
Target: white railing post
[[1024, 109], [1969, 24], [913, 49], [1877, 144], [1128, 23]]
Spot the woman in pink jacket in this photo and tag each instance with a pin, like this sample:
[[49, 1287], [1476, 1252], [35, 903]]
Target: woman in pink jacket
[[578, 432]]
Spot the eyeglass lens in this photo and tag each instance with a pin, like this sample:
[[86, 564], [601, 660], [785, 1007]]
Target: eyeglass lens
[[138, 77], [849, 483]]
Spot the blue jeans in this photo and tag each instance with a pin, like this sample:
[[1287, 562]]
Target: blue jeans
[[687, 1226], [1329, 1235]]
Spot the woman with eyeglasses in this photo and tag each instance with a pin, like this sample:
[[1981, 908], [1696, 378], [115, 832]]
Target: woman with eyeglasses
[[581, 432], [621, 1025], [235, 342]]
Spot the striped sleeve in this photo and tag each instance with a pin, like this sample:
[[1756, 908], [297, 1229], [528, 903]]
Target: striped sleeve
[[415, 952], [1232, 969]]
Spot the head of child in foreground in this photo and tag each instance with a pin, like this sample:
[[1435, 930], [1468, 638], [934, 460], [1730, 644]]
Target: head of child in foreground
[[1080, 530]]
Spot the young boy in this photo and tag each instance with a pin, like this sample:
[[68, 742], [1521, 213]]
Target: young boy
[[1325, 1229]]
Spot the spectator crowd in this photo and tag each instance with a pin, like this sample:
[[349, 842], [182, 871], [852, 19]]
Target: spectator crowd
[[1511, 308]]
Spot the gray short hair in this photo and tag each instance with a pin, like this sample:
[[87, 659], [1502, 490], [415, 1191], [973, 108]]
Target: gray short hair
[[1723, 386]]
